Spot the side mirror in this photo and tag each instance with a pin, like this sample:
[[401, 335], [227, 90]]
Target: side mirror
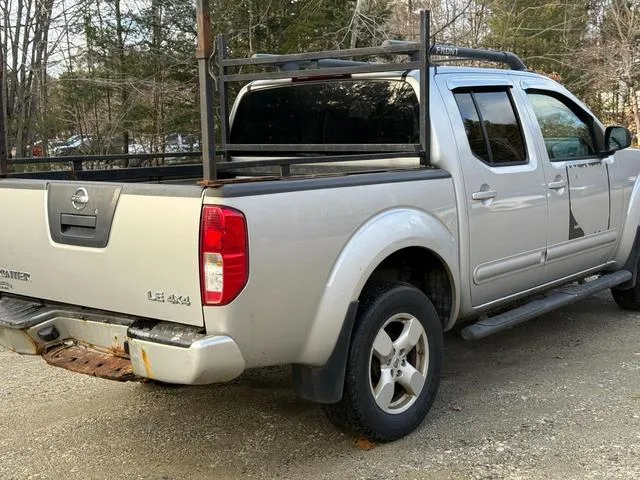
[[616, 138]]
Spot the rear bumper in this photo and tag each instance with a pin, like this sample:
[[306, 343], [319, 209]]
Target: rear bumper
[[209, 360], [163, 351]]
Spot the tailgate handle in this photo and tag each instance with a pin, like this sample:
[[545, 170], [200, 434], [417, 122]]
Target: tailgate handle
[[87, 221], [78, 225]]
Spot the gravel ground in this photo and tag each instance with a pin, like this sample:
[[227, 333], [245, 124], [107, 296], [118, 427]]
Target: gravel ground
[[558, 397]]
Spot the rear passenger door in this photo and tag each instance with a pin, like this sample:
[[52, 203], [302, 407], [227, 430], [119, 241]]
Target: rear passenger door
[[577, 179], [504, 191]]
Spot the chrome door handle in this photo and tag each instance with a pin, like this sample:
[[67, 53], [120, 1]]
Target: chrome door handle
[[557, 185], [484, 195]]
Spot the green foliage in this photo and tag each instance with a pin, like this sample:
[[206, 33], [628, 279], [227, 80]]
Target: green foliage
[[282, 26], [133, 73], [547, 35], [148, 86]]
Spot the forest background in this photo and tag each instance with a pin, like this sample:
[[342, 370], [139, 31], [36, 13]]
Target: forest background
[[123, 73]]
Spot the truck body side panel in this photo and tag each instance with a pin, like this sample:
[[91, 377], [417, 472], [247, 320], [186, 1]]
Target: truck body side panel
[[296, 240]]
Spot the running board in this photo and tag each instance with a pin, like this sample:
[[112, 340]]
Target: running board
[[557, 298]]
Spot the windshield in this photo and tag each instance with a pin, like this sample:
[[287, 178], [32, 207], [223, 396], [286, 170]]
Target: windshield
[[340, 112]]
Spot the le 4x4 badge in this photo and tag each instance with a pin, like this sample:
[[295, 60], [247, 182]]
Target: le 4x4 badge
[[161, 297]]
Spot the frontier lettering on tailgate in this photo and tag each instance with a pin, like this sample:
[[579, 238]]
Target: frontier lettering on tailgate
[[15, 275]]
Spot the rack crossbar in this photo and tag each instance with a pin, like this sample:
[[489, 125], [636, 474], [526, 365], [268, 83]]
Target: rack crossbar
[[508, 58], [405, 48], [322, 72]]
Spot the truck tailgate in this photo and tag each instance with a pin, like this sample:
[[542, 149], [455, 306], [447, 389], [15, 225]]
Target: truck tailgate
[[126, 248]]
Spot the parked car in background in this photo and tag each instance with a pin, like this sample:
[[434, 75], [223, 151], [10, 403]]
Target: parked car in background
[[95, 145], [74, 145], [177, 143], [135, 147]]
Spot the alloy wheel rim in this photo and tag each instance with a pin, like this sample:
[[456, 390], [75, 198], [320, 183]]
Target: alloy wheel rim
[[398, 363]]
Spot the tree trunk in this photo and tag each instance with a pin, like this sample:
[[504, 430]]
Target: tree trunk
[[124, 92], [12, 83], [91, 54], [78, 121], [636, 113], [38, 61], [158, 119], [4, 167], [361, 6]]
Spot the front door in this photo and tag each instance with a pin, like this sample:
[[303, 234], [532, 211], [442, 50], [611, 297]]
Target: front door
[[580, 234], [504, 191]]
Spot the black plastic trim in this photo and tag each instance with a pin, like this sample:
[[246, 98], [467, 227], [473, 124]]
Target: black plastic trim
[[267, 187], [101, 198], [325, 384], [165, 333]]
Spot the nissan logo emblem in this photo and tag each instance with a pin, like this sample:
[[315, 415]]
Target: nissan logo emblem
[[80, 199]]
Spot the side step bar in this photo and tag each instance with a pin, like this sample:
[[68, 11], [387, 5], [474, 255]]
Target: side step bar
[[557, 298]]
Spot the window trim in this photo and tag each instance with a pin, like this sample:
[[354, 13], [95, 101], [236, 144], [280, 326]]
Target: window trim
[[483, 129], [578, 111], [471, 90]]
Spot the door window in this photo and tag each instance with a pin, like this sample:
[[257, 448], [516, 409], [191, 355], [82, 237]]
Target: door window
[[565, 128], [492, 126]]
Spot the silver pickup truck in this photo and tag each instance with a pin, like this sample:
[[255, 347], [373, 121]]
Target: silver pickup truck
[[347, 266]]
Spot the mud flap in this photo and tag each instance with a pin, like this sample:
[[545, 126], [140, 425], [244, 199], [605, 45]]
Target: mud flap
[[325, 384]]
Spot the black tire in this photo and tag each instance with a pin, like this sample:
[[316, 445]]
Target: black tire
[[357, 411], [628, 299]]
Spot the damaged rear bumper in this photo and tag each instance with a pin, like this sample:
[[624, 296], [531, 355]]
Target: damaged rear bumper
[[117, 347]]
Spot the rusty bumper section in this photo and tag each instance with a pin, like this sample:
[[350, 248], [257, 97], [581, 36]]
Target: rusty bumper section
[[81, 359], [117, 347]]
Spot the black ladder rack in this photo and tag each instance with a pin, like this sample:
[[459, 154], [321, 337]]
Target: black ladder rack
[[317, 65], [330, 64]]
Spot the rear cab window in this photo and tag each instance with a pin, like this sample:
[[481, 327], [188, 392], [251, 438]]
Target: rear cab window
[[492, 125], [338, 112]]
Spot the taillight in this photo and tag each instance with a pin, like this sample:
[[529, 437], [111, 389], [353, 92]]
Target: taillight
[[224, 257]]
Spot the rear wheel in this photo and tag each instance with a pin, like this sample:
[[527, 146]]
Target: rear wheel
[[394, 363]]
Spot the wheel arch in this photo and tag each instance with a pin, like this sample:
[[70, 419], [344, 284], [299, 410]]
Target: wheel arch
[[425, 270], [631, 217], [383, 247]]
